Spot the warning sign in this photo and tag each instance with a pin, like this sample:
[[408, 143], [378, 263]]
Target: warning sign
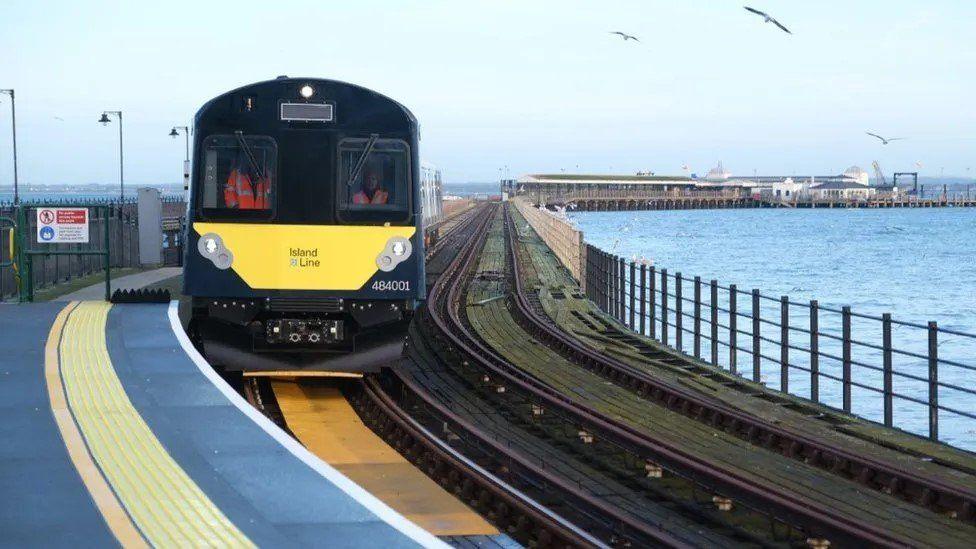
[[62, 225]]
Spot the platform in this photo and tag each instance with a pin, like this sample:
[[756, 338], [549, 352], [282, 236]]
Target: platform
[[116, 431]]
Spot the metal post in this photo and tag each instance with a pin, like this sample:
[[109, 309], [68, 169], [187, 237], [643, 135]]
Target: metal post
[[933, 381], [887, 369], [621, 286], [13, 130], [714, 307], [611, 286], [756, 342], [814, 351], [651, 305], [697, 317], [664, 306], [633, 294], [643, 298], [108, 264], [784, 344], [677, 312], [733, 347], [121, 163], [846, 363]]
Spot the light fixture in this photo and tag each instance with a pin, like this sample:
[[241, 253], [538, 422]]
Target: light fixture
[[307, 91], [104, 119], [211, 245], [173, 133], [398, 248]]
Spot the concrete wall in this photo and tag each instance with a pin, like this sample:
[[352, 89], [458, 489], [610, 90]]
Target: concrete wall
[[565, 240]]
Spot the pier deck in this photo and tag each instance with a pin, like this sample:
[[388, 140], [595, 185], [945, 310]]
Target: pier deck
[[495, 324]]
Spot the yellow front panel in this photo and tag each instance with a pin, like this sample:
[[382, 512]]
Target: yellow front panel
[[304, 257]]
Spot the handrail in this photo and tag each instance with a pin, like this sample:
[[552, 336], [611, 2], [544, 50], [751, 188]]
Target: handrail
[[805, 334]]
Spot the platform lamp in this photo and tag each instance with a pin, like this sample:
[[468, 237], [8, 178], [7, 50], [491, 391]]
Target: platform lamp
[[13, 126], [174, 133], [104, 120]]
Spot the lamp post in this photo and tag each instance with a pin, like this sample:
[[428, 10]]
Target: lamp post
[[13, 126], [174, 133], [104, 120]]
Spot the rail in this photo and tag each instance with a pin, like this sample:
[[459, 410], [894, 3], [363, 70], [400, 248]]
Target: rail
[[844, 357]]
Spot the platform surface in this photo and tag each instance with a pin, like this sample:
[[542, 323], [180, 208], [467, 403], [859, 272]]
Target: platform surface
[[116, 432]]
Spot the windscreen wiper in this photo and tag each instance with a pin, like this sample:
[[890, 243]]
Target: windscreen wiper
[[250, 155], [362, 158]]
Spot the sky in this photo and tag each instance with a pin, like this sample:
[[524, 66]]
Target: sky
[[534, 86]]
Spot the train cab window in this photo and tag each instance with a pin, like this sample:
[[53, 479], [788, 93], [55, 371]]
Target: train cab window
[[375, 183], [239, 176]]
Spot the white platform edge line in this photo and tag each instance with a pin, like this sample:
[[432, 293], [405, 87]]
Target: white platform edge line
[[383, 511]]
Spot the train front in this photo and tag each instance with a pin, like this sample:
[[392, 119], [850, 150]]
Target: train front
[[304, 246]]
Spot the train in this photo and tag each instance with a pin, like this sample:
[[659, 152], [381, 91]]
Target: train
[[305, 226]]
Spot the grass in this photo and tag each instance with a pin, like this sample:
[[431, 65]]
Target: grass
[[62, 288]]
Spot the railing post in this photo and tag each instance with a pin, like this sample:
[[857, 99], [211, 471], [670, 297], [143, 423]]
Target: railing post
[[814, 351], [643, 298], [733, 347], [846, 359], [664, 306], [652, 305], [633, 293], [756, 342], [784, 344], [887, 369], [714, 307], [697, 317], [612, 265], [622, 288], [933, 381], [677, 312]]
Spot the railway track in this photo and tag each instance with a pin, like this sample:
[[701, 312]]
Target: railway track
[[909, 480], [632, 515], [728, 483]]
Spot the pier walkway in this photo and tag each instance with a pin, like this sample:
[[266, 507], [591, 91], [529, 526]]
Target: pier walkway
[[116, 430]]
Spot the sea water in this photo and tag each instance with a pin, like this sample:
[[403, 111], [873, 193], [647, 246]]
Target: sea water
[[917, 264]]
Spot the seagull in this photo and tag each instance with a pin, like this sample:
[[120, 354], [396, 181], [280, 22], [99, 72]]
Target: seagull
[[59, 118], [626, 37], [884, 141], [768, 19]]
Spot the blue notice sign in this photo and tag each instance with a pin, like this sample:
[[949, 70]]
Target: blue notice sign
[[47, 234]]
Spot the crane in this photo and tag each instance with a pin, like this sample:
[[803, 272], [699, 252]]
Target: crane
[[879, 178]]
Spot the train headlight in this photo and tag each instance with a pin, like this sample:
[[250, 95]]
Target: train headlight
[[307, 91], [399, 248], [210, 245]]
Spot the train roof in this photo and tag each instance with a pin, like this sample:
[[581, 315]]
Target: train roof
[[263, 85]]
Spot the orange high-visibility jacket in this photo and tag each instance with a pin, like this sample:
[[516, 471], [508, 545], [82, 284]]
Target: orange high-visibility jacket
[[379, 197], [240, 193]]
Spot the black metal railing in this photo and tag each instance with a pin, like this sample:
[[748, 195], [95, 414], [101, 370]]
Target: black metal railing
[[860, 363]]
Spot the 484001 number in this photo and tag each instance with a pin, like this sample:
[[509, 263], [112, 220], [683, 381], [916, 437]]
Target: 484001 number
[[391, 285]]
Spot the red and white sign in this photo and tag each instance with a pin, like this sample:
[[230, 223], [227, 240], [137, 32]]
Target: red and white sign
[[62, 225]]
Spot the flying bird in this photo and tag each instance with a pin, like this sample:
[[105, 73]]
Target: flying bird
[[625, 36], [884, 141], [59, 118], [768, 19]]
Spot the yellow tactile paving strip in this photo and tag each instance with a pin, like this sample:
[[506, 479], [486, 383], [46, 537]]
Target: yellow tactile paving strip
[[326, 424], [166, 505]]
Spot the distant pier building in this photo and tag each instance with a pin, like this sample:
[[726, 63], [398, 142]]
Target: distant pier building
[[718, 189]]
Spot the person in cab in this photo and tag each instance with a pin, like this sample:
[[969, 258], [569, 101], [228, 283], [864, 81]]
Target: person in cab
[[245, 189], [372, 191]]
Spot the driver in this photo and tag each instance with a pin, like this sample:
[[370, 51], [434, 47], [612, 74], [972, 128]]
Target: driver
[[372, 191]]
